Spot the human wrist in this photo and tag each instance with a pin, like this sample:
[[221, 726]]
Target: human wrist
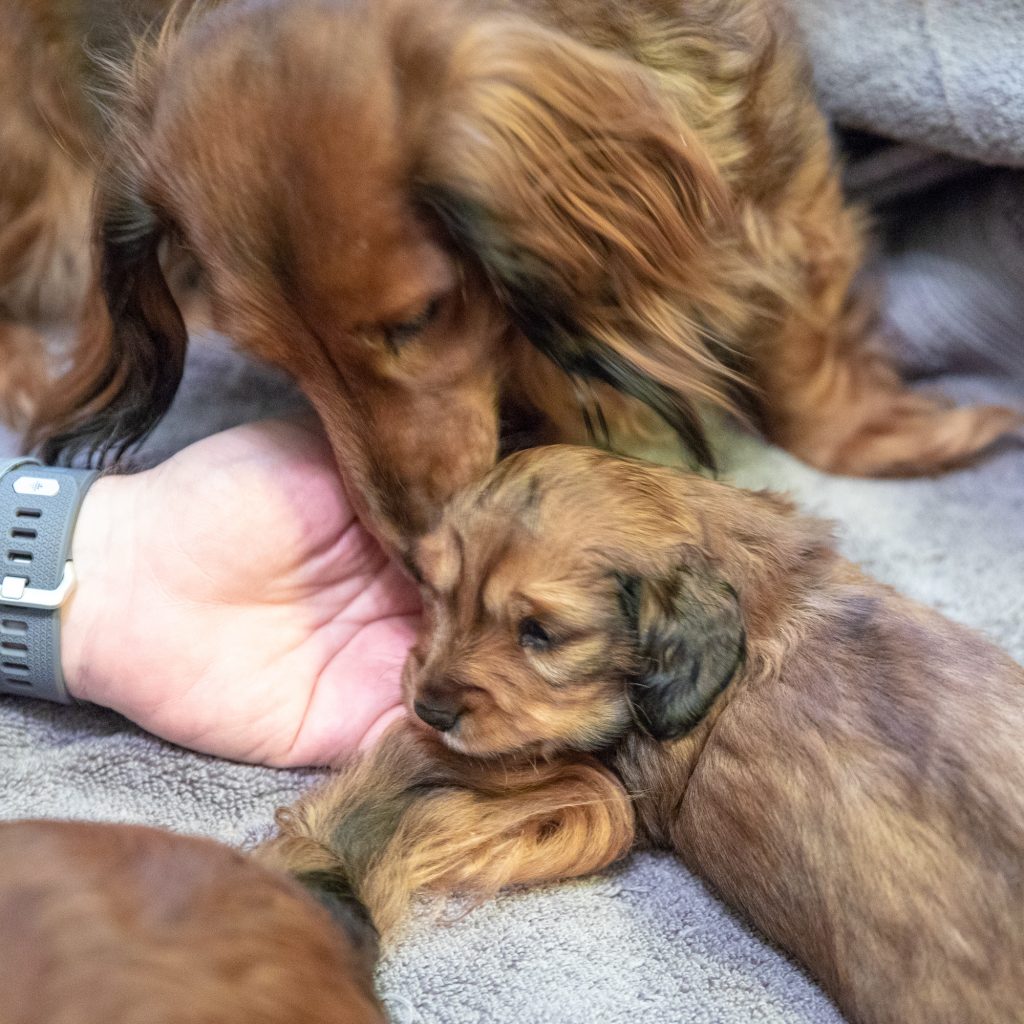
[[100, 552]]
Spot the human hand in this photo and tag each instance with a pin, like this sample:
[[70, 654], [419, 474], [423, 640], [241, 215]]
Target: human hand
[[229, 600]]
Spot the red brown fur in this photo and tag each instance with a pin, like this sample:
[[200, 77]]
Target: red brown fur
[[57, 65], [843, 764], [458, 206], [46, 179], [105, 923]]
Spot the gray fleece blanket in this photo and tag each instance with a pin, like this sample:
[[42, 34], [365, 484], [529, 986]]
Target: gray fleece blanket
[[946, 74], [646, 940]]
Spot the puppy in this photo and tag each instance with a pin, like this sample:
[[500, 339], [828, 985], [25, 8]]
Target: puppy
[[413, 816], [446, 218], [844, 765], [104, 924]]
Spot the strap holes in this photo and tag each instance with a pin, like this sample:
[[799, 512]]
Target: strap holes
[[13, 647], [28, 513], [19, 556], [24, 533], [13, 626], [14, 668]]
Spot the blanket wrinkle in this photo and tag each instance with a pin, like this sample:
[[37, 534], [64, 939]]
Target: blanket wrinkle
[[935, 47]]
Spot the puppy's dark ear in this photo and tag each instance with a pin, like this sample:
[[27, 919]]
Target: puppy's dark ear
[[130, 353], [690, 642], [591, 206]]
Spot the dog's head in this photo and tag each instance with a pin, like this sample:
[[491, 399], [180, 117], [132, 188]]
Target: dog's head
[[390, 199], [567, 601]]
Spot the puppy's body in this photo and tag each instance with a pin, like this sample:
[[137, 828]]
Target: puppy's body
[[103, 924], [459, 208], [857, 788], [843, 764], [860, 796]]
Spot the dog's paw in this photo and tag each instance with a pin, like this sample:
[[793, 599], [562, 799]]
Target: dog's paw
[[917, 435]]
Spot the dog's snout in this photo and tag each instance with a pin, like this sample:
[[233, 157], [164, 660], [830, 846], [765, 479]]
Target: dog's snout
[[439, 713]]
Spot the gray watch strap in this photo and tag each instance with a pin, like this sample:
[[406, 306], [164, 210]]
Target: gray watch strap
[[38, 508]]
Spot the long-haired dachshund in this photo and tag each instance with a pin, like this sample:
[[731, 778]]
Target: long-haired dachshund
[[447, 217], [109, 924], [617, 653]]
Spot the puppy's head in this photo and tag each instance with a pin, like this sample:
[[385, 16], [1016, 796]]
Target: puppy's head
[[387, 200], [565, 603]]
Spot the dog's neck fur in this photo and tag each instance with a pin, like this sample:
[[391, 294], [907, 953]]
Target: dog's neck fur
[[785, 572]]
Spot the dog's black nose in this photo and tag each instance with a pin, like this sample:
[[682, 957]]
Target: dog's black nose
[[441, 717]]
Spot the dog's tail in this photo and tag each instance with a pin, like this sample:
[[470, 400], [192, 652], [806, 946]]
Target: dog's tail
[[411, 816]]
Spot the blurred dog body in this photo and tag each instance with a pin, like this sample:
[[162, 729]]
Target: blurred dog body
[[105, 924], [693, 666], [51, 141], [444, 218]]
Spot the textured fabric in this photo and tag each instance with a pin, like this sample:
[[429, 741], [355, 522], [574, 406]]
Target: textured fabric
[[971, 232], [943, 73]]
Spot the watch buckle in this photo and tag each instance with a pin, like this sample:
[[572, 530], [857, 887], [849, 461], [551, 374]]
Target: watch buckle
[[16, 593]]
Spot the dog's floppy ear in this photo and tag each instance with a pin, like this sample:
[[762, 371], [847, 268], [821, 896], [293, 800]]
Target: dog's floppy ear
[[130, 353], [690, 642], [590, 205]]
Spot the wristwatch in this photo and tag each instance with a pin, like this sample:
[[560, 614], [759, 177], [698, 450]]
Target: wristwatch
[[38, 508]]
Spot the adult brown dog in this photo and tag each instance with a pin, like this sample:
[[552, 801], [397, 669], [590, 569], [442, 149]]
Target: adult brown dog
[[843, 764], [442, 217], [107, 924]]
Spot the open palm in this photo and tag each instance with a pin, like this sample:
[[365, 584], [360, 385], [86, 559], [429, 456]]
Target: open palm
[[231, 602]]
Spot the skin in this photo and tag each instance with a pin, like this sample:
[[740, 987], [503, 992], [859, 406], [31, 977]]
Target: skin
[[246, 545]]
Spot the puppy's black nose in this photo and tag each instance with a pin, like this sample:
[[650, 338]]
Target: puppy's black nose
[[441, 717]]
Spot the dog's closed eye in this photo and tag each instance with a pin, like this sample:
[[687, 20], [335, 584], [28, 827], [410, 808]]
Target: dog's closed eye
[[397, 335]]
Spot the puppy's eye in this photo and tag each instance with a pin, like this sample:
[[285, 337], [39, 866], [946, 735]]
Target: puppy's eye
[[533, 636], [397, 335]]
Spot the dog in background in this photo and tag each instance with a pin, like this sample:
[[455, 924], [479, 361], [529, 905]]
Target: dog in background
[[450, 219], [51, 139], [694, 667], [108, 924]]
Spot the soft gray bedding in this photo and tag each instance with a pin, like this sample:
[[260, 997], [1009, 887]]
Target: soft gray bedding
[[942, 73]]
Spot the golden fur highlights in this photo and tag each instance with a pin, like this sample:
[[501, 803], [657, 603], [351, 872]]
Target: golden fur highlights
[[410, 817], [842, 764], [46, 181], [516, 197]]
